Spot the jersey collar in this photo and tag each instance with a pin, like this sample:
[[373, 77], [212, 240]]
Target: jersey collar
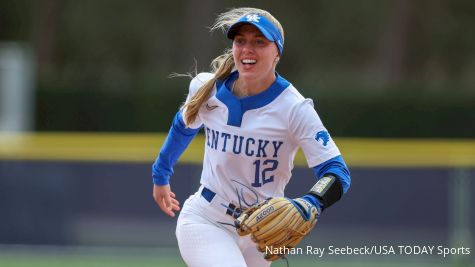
[[238, 106]]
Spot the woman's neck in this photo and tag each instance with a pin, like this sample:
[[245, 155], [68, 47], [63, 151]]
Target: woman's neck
[[246, 87]]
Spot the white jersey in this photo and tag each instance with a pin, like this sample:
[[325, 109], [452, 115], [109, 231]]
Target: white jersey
[[251, 142]]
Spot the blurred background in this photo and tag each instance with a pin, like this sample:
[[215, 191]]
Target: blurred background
[[86, 101]]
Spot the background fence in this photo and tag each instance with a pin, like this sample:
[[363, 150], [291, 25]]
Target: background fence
[[94, 191]]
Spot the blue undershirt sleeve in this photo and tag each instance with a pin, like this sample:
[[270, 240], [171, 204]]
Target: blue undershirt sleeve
[[178, 139], [335, 166]]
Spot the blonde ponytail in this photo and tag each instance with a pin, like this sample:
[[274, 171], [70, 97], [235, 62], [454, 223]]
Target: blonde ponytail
[[223, 65]]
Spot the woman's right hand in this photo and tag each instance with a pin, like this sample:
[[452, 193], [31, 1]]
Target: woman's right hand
[[165, 199]]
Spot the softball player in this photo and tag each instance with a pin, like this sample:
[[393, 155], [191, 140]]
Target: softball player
[[254, 121]]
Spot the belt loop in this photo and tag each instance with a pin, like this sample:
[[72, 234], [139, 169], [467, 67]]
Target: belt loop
[[208, 194]]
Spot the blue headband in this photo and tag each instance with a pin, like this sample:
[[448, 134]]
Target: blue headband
[[264, 25]]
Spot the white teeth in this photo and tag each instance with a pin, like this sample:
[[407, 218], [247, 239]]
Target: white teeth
[[248, 61]]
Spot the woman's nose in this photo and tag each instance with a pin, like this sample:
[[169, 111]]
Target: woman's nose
[[248, 47]]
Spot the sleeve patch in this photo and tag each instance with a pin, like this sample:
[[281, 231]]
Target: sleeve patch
[[324, 136]]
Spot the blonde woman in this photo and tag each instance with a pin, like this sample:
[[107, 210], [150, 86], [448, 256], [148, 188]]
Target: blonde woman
[[254, 121]]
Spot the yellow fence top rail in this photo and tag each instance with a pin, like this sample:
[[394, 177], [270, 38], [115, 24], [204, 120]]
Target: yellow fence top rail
[[143, 148]]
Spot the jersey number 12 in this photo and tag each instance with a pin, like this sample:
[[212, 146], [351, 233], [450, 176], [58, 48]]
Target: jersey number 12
[[261, 178]]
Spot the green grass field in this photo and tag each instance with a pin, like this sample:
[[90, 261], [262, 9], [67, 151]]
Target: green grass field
[[160, 257]]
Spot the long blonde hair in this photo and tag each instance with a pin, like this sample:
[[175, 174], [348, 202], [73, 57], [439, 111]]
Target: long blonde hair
[[222, 65]]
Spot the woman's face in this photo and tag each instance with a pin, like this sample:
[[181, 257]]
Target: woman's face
[[254, 55]]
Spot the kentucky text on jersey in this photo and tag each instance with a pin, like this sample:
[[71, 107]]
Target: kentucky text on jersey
[[226, 142]]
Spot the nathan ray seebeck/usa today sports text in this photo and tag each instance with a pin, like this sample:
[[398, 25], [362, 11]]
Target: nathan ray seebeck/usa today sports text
[[378, 250]]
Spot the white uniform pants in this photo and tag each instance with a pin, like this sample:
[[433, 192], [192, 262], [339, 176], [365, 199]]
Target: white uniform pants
[[204, 242]]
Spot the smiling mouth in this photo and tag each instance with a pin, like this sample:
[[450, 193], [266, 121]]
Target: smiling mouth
[[248, 61]]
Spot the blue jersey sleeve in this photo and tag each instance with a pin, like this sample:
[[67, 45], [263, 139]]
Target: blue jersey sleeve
[[178, 139], [335, 166]]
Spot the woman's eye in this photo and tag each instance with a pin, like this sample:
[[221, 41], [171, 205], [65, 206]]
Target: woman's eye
[[260, 42], [238, 41]]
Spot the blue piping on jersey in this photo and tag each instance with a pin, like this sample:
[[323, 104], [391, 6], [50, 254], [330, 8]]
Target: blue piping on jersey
[[178, 139], [238, 106], [338, 168]]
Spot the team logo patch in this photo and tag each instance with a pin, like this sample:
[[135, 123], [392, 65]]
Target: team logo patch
[[253, 17], [324, 136]]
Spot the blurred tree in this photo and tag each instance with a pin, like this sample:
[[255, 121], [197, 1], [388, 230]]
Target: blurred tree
[[16, 19], [48, 17], [394, 42]]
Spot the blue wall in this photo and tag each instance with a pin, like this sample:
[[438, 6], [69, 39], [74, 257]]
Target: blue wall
[[79, 203]]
